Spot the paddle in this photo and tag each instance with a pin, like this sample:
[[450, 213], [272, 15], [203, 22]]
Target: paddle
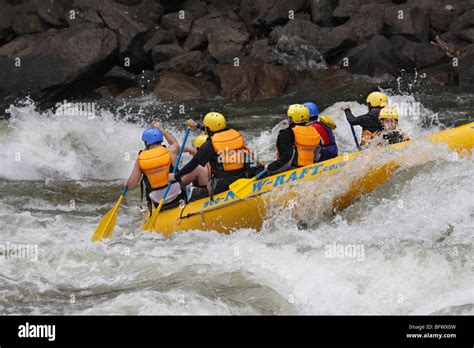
[[151, 221], [355, 137], [107, 224], [243, 187]]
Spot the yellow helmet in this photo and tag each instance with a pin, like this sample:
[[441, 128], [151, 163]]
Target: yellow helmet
[[328, 122], [377, 99], [215, 121], [298, 113], [388, 113], [200, 139]]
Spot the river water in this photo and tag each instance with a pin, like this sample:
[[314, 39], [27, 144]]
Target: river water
[[411, 238]]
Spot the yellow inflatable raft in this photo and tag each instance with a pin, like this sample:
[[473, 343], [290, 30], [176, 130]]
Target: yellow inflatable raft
[[225, 212]]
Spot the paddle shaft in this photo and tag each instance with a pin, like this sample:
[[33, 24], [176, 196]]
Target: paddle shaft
[[175, 169], [259, 175], [355, 137]]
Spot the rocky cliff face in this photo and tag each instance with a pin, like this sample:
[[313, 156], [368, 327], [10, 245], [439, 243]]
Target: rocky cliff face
[[240, 50]]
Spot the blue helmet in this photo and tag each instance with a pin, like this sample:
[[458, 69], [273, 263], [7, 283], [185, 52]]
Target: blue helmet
[[152, 136], [313, 109]]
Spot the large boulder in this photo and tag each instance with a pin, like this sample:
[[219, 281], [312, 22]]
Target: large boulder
[[252, 81], [53, 59], [321, 11], [443, 17], [180, 22], [264, 13], [466, 67], [409, 21], [180, 87], [348, 8], [196, 7], [6, 18], [28, 24], [53, 12], [159, 37], [163, 53], [422, 54], [440, 75], [129, 22], [376, 57], [328, 41], [225, 35], [189, 63]]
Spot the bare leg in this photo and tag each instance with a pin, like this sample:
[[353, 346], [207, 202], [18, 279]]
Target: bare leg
[[200, 173]]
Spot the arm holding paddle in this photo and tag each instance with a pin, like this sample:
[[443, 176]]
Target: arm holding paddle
[[351, 119]]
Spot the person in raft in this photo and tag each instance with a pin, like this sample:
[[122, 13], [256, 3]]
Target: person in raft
[[324, 126], [369, 122], [153, 166], [224, 150], [297, 144], [391, 134]]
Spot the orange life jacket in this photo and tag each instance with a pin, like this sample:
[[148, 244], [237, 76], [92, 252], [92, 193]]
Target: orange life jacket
[[155, 164], [229, 146], [306, 141], [367, 136]]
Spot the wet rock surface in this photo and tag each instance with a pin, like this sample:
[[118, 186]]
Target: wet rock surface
[[237, 49]]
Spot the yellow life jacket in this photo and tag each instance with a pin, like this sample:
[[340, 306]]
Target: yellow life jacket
[[307, 140], [229, 146], [155, 164]]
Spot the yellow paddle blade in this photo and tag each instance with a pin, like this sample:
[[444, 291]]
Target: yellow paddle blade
[[152, 220], [242, 187], [107, 224]]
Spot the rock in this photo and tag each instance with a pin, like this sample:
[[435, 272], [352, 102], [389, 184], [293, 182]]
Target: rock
[[412, 22], [252, 81], [261, 50], [53, 59], [28, 24], [6, 18], [267, 12], [466, 34], [189, 63], [442, 19], [163, 53], [181, 87], [196, 7], [321, 11], [180, 23], [197, 39], [364, 24], [440, 75], [122, 77], [348, 8], [453, 43], [467, 20], [328, 41], [227, 39], [376, 57], [53, 12], [466, 67], [297, 53], [159, 37], [131, 92], [119, 18], [83, 17], [224, 35], [423, 54]]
